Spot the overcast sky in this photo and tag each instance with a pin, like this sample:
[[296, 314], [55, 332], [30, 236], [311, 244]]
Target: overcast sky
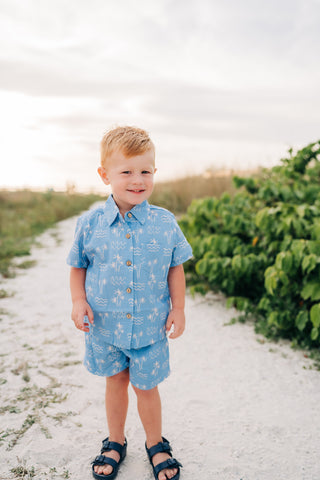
[[217, 83]]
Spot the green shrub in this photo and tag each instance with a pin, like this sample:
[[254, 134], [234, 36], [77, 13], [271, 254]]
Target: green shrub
[[261, 247]]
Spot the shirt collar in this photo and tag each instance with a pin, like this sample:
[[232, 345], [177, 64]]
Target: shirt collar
[[139, 212]]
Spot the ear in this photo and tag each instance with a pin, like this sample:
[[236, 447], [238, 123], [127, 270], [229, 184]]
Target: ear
[[154, 171], [103, 174]]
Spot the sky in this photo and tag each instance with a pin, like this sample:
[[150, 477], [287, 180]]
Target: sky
[[218, 84]]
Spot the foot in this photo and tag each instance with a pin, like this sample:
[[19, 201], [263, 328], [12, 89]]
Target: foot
[[107, 463], [107, 469], [167, 473]]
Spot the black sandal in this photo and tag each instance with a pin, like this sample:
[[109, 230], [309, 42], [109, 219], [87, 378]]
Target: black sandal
[[101, 459], [165, 447]]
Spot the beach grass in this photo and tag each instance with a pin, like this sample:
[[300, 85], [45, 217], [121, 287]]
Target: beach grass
[[24, 214], [177, 195]]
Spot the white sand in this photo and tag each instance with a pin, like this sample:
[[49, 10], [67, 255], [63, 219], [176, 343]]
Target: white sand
[[233, 408]]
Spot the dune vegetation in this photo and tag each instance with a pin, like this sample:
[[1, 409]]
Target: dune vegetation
[[24, 214]]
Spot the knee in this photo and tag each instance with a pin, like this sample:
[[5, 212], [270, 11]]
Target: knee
[[120, 380], [145, 393]]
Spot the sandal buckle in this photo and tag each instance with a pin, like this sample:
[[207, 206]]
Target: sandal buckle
[[106, 444]]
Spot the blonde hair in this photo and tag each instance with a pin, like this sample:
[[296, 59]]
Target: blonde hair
[[129, 140]]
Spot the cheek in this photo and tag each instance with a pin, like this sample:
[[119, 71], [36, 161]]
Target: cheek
[[120, 182], [149, 182]]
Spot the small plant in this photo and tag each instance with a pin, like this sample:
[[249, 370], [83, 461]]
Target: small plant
[[62, 415], [3, 312], [4, 434], [26, 264], [22, 368], [5, 294], [23, 472], [67, 363]]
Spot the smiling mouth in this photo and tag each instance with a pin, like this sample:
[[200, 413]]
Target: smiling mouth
[[136, 191]]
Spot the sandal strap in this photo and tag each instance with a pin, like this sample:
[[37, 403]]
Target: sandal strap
[[160, 447], [101, 460], [169, 463], [107, 446]]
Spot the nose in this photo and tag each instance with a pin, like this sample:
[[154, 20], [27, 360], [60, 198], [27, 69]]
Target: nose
[[137, 178]]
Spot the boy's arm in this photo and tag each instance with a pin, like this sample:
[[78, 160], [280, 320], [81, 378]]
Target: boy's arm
[[177, 290], [80, 307]]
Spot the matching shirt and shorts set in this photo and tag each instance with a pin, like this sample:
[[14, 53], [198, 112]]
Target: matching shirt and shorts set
[[127, 260]]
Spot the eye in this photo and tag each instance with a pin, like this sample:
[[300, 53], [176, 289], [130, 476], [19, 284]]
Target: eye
[[126, 172], [145, 172]]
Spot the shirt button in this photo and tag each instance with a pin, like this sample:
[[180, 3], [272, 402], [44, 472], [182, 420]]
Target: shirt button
[[129, 315], [129, 215], [129, 263], [128, 235], [129, 290]]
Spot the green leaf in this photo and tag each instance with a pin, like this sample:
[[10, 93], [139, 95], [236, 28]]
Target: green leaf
[[284, 261], [314, 246], [301, 210], [283, 278], [262, 217], [315, 231], [264, 304], [302, 320], [231, 301], [309, 263], [315, 315], [201, 266], [298, 248], [311, 290], [314, 333], [273, 318], [271, 279], [237, 263]]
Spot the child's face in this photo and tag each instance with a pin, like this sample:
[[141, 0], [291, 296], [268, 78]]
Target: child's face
[[131, 179]]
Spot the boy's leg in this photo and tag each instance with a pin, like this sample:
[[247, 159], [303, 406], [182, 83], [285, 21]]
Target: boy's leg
[[116, 408], [149, 408]]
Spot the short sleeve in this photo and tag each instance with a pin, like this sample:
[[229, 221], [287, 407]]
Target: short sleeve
[[77, 256], [182, 251]]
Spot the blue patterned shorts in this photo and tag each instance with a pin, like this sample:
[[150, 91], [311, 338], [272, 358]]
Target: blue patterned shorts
[[148, 366]]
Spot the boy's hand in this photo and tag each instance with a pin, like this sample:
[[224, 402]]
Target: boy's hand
[[176, 319], [80, 310]]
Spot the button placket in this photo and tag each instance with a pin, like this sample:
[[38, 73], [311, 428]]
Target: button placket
[[129, 263], [128, 237]]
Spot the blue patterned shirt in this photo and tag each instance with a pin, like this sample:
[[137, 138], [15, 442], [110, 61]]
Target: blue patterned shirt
[[127, 262]]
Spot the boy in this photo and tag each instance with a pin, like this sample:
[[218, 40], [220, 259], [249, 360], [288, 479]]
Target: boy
[[128, 288]]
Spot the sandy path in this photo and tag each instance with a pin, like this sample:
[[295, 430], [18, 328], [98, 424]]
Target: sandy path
[[233, 408]]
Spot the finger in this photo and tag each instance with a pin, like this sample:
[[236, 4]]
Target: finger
[[176, 333], [173, 335], [169, 324], [90, 315], [84, 327], [81, 324]]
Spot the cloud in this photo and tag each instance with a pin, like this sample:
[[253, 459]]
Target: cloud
[[113, 49], [205, 77]]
